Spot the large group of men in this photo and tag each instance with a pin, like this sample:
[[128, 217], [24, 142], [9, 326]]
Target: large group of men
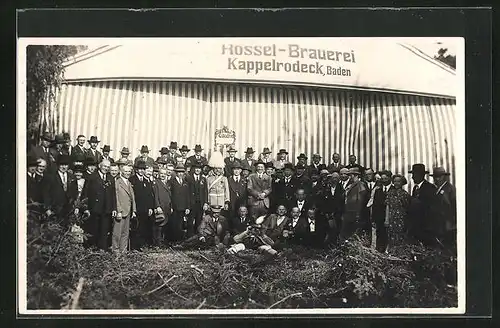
[[248, 202]]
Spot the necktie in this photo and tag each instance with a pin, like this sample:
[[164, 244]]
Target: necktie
[[64, 181], [415, 190], [242, 219]]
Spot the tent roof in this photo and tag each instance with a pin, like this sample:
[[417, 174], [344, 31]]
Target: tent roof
[[380, 64]]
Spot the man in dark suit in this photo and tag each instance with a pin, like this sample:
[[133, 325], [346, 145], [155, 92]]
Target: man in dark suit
[[293, 232], [316, 165], [423, 198], [445, 208], [144, 157], [105, 153], [230, 161], [92, 151], [249, 160], [335, 165], [163, 205], [181, 204], [199, 197], [56, 193], [302, 159], [355, 195], [378, 210], [91, 165], [240, 222], [237, 190], [302, 181], [331, 206], [144, 202], [31, 189], [101, 195], [79, 148], [301, 201], [197, 157], [353, 164], [286, 187], [275, 224], [314, 230], [45, 151], [369, 181]]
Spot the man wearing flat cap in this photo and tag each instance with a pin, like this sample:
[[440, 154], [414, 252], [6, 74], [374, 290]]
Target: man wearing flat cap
[[445, 209], [249, 160], [281, 160], [92, 151], [423, 198], [144, 201], [355, 197], [144, 157]]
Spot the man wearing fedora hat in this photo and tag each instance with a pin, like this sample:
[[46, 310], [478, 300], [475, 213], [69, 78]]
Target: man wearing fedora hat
[[445, 208], [45, 151], [92, 151], [280, 162], [355, 196], [181, 205], [126, 210], [144, 157], [163, 206], [230, 160], [144, 200], [164, 156], [57, 196], [184, 151], [265, 156], [197, 157], [105, 153], [249, 159], [173, 153], [259, 188], [199, 196], [422, 200], [124, 154], [59, 144], [302, 159], [237, 190], [91, 165]]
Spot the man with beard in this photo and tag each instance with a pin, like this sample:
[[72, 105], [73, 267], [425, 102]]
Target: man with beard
[[144, 200], [355, 197], [335, 165], [101, 194]]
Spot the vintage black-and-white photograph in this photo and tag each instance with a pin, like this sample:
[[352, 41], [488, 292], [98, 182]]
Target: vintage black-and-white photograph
[[242, 175]]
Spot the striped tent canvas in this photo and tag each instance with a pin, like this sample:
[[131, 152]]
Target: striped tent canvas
[[384, 130]]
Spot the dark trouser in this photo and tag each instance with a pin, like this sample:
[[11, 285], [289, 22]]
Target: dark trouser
[[175, 226], [196, 215], [333, 230], [142, 235], [99, 227], [349, 226], [158, 238], [382, 237]]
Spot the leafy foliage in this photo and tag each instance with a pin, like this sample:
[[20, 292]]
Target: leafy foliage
[[44, 74], [448, 59]]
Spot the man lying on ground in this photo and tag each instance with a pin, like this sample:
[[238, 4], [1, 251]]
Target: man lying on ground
[[253, 238]]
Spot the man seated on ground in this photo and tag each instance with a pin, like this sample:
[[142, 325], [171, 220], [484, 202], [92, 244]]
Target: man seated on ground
[[274, 225], [240, 222], [314, 230], [253, 237], [293, 232], [213, 231]]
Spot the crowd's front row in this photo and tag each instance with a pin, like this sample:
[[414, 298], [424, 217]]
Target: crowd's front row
[[129, 207]]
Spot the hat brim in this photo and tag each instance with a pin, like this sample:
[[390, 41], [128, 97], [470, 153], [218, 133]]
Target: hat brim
[[425, 172], [439, 174]]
